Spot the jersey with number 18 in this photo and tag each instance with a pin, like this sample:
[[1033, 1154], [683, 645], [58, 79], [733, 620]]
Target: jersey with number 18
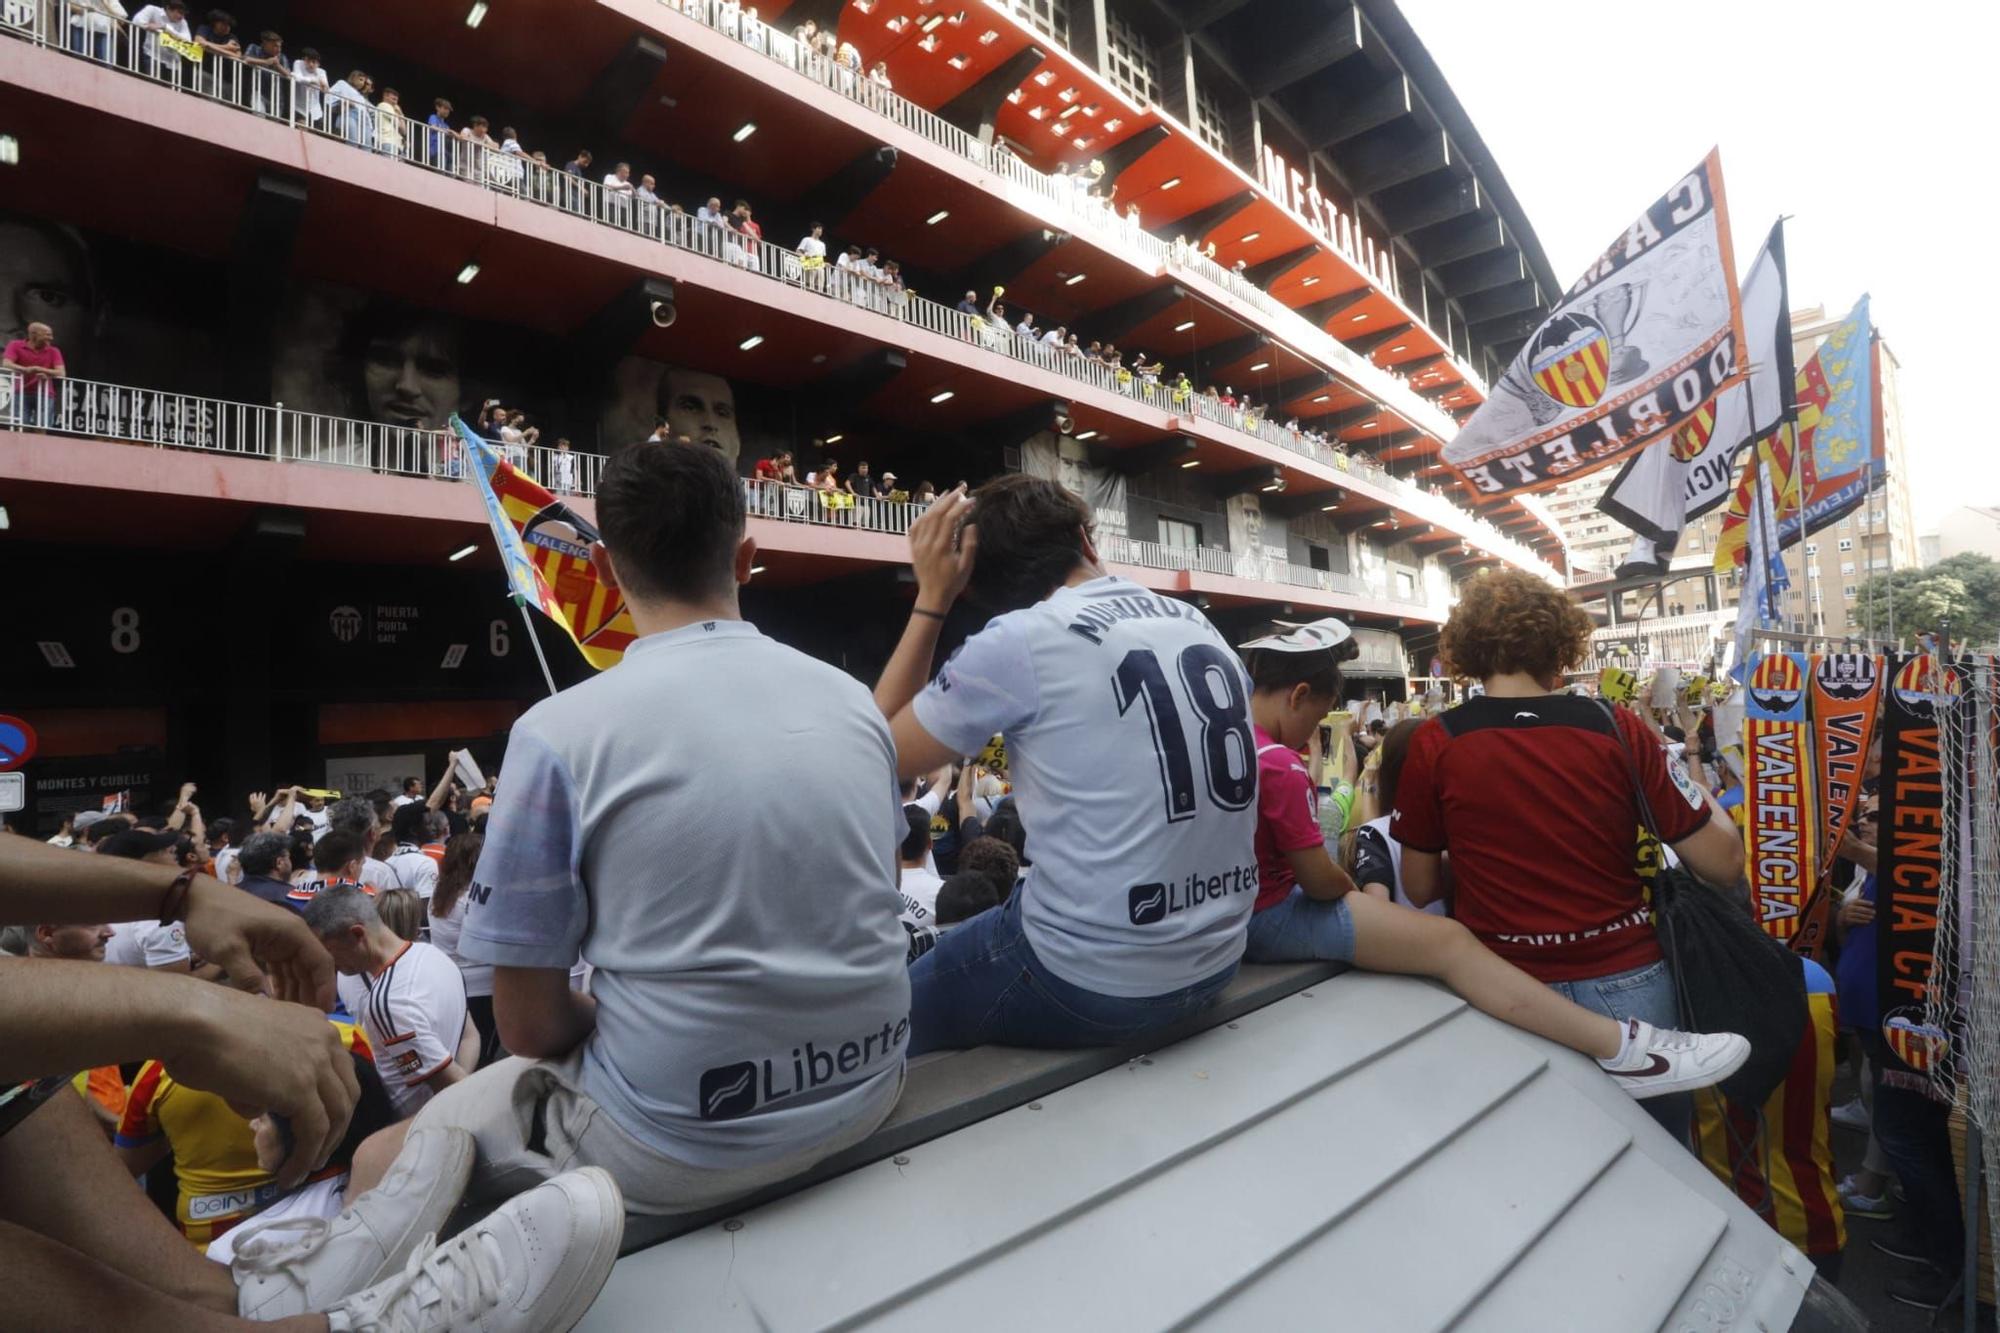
[[1127, 720]]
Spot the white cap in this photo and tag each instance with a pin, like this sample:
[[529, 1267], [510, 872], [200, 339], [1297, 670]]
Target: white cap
[[1311, 637]]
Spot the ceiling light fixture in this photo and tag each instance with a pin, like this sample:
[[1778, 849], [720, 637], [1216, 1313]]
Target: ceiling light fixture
[[1325, 397], [749, 128], [1310, 282], [988, 37], [10, 151], [1074, 278], [1261, 365], [943, 397], [833, 439], [463, 551], [476, 15], [1248, 237], [1328, 509], [1046, 77], [757, 569], [1087, 435], [468, 273], [933, 23], [959, 61], [1169, 183], [1399, 347], [1184, 326], [937, 217], [1357, 319], [1277, 485], [751, 343], [1192, 462], [929, 42]]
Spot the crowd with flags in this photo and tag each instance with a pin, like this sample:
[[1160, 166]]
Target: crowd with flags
[[1849, 772]]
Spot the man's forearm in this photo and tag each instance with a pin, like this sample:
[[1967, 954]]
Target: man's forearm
[[59, 1016], [909, 666], [44, 885]]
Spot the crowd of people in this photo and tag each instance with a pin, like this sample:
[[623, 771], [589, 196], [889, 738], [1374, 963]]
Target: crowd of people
[[520, 956]]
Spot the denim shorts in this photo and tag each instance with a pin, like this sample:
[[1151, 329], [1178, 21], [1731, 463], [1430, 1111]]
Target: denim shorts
[[983, 985], [1648, 994], [1302, 930]]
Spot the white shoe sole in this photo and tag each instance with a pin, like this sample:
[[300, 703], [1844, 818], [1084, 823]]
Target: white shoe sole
[[591, 1187], [1646, 1091]]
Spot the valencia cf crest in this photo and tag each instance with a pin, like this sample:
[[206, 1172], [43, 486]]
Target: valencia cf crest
[[1847, 676], [1693, 435], [1923, 682], [1571, 359], [1776, 686]]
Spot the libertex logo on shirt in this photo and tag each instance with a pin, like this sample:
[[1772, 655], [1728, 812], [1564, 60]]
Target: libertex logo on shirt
[[729, 1092]]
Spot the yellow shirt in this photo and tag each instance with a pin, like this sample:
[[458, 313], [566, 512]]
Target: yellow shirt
[[215, 1151]]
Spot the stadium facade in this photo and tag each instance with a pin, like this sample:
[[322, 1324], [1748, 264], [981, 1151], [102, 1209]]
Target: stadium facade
[[235, 542]]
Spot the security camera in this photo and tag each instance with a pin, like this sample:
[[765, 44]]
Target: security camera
[[1064, 425], [664, 314]]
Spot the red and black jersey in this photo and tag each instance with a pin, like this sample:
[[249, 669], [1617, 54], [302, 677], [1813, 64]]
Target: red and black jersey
[[1534, 800]]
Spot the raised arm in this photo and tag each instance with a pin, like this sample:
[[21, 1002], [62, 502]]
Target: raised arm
[[942, 556]]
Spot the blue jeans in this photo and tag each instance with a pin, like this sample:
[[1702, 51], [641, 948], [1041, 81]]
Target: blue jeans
[[1914, 1133], [983, 984], [1299, 929], [1645, 993]]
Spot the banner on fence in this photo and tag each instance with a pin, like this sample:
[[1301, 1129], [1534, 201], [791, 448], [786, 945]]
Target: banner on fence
[[1846, 689], [1778, 827], [1911, 874]]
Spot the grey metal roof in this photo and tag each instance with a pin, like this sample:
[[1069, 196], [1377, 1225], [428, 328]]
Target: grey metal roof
[[1367, 1153]]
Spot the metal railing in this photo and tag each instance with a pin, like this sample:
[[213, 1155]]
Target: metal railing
[[1070, 196], [162, 419], [84, 30]]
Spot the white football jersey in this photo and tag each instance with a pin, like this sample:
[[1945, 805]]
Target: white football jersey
[[414, 1015], [414, 870], [1127, 719]]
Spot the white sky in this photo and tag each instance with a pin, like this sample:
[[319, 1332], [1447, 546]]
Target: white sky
[[1872, 126]]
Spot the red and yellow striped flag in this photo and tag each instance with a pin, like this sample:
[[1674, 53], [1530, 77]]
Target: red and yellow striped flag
[[545, 546]]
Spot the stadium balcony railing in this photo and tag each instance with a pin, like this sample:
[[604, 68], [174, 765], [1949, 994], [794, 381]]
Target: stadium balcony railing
[[89, 33], [1100, 223], [167, 420]]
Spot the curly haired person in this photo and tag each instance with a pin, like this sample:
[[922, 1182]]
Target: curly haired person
[[1532, 792]]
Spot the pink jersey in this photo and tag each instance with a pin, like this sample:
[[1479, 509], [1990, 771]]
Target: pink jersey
[[1287, 817]]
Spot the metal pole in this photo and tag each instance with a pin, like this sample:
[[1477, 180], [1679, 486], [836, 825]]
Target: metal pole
[[528, 622]]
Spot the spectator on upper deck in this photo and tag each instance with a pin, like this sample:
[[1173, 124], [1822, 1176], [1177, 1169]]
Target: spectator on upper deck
[[37, 363], [309, 86], [171, 19]]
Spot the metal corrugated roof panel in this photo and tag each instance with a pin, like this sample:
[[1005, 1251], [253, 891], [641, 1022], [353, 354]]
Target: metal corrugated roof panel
[[1367, 1154]]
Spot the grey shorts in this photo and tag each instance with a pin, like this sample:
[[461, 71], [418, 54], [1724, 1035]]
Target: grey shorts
[[529, 1122]]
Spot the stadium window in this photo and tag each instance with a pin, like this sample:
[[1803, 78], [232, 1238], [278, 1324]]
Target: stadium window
[[1812, 548], [1211, 122], [1847, 543], [1847, 566], [1406, 585], [1848, 592], [1178, 535], [1049, 17], [1134, 70]]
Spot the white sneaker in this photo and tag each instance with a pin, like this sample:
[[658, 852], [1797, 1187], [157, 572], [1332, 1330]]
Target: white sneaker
[[1852, 1115], [1659, 1061], [300, 1265], [533, 1266]]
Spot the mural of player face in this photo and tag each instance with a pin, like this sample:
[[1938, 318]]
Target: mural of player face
[[409, 373], [702, 407], [45, 279]]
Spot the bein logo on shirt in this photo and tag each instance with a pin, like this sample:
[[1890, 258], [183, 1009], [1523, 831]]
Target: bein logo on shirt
[[731, 1091]]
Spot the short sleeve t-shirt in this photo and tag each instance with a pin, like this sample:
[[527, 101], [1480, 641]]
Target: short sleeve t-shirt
[[414, 869], [147, 944], [21, 353], [1287, 817], [1533, 799], [752, 997], [1129, 743], [414, 1014]]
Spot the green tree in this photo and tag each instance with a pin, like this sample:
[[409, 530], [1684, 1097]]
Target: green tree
[[1964, 590]]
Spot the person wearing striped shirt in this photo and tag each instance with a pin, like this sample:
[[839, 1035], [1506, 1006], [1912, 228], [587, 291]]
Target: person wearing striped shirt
[[409, 998]]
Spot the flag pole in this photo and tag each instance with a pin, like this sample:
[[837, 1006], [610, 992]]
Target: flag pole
[[528, 622]]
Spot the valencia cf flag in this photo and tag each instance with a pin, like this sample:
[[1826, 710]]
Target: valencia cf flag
[[545, 546]]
